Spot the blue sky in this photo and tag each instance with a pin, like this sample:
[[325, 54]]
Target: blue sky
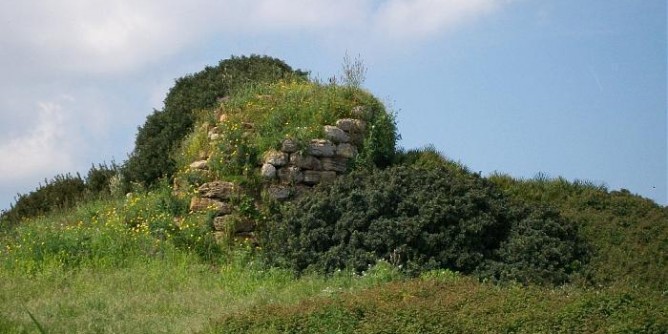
[[567, 88]]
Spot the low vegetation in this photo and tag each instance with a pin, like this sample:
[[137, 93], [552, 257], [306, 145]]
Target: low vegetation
[[407, 242], [424, 218]]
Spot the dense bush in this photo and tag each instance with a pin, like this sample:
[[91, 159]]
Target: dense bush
[[63, 191], [626, 232], [165, 129], [422, 218]]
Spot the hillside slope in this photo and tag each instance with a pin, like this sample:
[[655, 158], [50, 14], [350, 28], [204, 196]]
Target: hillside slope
[[359, 237]]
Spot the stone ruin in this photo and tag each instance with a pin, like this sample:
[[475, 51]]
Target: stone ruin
[[287, 173]]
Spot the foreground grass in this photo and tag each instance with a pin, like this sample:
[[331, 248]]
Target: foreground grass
[[125, 266], [459, 305], [108, 267], [175, 296]]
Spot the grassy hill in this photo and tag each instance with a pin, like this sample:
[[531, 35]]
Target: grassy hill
[[405, 242]]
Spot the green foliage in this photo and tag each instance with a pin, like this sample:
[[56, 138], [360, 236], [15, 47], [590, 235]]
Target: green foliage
[[63, 191], [626, 233], [165, 129], [118, 266], [458, 305], [259, 118], [99, 179], [422, 219]]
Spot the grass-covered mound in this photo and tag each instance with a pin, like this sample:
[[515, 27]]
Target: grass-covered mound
[[258, 119], [143, 263], [420, 217]]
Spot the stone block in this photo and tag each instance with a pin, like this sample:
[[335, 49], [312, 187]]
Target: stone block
[[346, 150], [276, 158], [268, 171], [351, 125], [217, 189], [339, 165], [200, 164], [321, 148], [289, 146], [290, 174], [198, 204], [335, 134], [305, 161]]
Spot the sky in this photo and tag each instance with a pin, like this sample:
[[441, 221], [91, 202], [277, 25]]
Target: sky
[[565, 88]]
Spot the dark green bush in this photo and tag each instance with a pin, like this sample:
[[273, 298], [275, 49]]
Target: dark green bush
[[165, 129], [98, 179], [63, 191], [421, 218]]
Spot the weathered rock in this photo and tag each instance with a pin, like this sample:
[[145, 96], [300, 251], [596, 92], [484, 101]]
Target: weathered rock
[[351, 125], [233, 223], [217, 189], [305, 161], [199, 164], [268, 171], [276, 158], [290, 174], [339, 165], [346, 150], [335, 134], [214, 133], [223, 117], [321, 148], [279, 192], [289, 146], [204, 204]]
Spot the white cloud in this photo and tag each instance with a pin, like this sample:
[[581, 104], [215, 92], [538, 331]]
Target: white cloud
[[47, 146], [403, 19], [85, 46]]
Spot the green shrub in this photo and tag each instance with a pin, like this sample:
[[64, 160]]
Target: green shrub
[[98, 179], [165, 129], [625, 232], [421, 219], [63, 191]]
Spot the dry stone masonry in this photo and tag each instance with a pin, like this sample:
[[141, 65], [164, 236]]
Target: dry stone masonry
[[320, 162], [287, 172]]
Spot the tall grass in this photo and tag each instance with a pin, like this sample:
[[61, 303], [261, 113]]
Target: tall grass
[[119, 267]]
